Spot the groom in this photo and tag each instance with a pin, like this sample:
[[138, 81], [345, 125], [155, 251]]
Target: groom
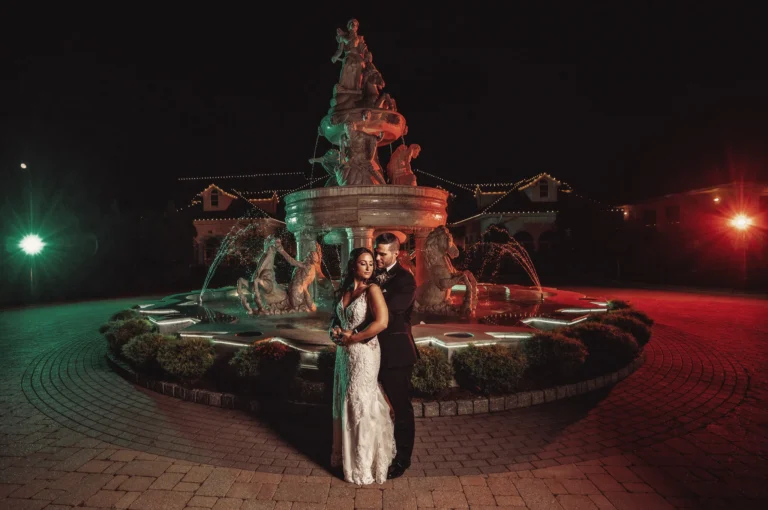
[[398, 350]]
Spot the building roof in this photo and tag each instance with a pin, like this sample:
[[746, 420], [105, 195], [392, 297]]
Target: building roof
[[237, 209], [513, 201]]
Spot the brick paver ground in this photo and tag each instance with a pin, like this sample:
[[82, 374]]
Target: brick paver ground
[[687, 430]]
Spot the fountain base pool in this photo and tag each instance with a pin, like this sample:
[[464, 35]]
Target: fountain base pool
[[505, 314]]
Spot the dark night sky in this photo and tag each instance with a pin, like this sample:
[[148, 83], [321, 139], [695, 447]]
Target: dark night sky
[[621, 103]]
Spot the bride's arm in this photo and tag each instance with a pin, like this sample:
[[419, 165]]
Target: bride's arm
[[380, 317]]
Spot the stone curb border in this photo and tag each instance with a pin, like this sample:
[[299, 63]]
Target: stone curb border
[[420, 409], [211, 398], [525, 398]]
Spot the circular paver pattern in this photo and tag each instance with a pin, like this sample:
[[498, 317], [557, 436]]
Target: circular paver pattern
[[684, 383], [688, 428]]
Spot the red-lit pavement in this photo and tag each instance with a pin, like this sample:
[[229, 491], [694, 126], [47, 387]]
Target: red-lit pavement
[[689, 429]]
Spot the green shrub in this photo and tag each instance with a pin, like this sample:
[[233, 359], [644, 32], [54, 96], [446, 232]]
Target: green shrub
[[637, 314], [105, 327], [142, 350], [326, 364], [432, 373], [302, 390], [124, 315], [553, 358], [639, 331], [187, 359], [618, 304], [608, 347], [489, 369], [121, 332], [272, 365]]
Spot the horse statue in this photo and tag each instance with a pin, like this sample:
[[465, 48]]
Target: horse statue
[[434, 295]]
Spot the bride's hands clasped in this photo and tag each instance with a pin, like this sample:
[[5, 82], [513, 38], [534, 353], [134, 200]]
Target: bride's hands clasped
[[342, 336], [346, 338]]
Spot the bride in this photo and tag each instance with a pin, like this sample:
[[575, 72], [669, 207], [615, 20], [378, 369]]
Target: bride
[[363, 429]]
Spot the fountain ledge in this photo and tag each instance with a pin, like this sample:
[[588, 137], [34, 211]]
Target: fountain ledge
[[422, 409]]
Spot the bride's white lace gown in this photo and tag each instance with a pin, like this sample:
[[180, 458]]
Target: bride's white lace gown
[[363, 432]]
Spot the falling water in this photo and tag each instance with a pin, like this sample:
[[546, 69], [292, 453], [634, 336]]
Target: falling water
[[314, 155], [494, 252], [225, 249], [234, 233]]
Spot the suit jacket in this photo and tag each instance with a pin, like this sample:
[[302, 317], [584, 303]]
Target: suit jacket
[[397, 346]]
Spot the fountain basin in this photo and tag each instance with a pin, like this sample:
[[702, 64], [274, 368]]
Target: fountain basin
[[370, 207], [506, 314], [388, 124]]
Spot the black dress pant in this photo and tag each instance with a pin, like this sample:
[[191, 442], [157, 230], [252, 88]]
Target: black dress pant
[[397, 385]]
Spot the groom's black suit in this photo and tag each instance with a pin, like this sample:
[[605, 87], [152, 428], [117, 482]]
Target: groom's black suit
[[398, 355]]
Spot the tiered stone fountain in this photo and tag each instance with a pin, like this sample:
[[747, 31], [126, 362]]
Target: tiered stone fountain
[[360, 200]]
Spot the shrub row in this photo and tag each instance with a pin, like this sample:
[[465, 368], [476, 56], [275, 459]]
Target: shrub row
[[137, 341], [601, 344]]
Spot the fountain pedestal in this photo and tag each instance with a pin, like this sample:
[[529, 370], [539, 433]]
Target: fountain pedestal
[[353, 216]]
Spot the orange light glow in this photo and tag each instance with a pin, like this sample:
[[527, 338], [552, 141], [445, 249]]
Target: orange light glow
[[717, 199], [741, 222]]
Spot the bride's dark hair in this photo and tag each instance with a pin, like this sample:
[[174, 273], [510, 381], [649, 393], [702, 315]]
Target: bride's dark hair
[[348, 277]]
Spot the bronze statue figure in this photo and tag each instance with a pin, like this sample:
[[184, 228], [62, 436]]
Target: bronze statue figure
[[270, 297], [299, 298], [336, 166], [352, 46], [399, 167], [363, 166]]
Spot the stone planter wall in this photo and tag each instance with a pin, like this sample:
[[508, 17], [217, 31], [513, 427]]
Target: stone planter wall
[[428, 409], [482, 405]]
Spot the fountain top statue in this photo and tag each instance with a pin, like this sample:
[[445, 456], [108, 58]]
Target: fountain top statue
[[363, 196], [361, 117]]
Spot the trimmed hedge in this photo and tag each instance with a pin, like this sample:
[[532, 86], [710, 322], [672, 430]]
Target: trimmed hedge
[[618, 304], [432, 373], [119, 333], [553, 357], [187, 359], [142, 350], [271, 366], [124, 315], [489, 369], [639, 331], [637, 314], [608, 347]]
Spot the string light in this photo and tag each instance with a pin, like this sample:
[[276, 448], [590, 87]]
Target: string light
[[276, 174], [265, 191], [269, 216], [237, 219], [304, 186], [444, 180]]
